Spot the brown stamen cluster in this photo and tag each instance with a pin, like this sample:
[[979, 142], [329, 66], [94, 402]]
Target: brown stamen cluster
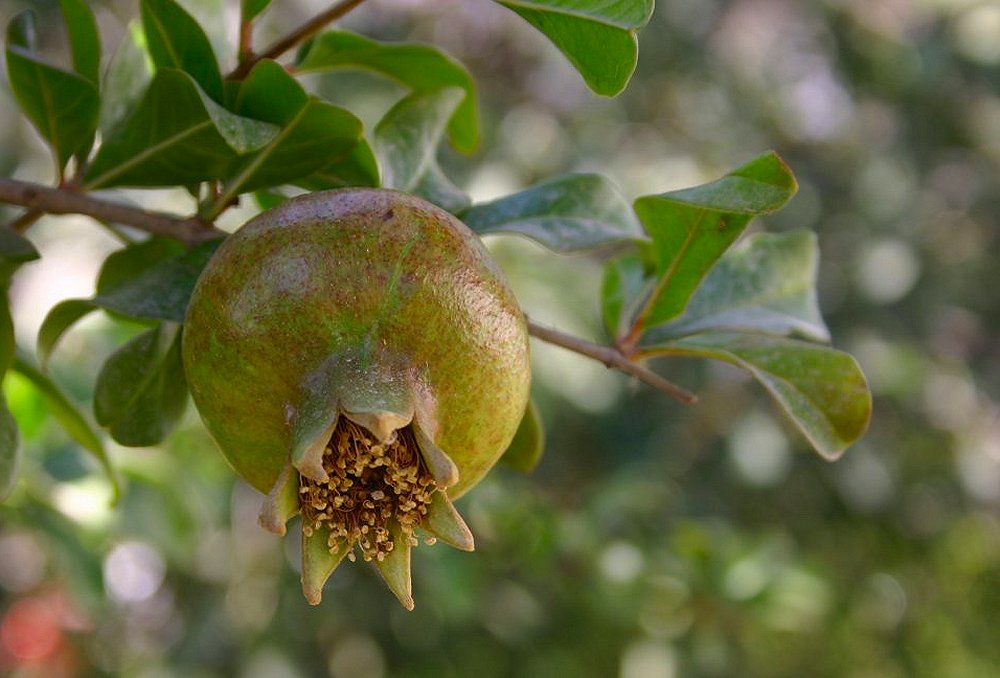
[[370, 485]]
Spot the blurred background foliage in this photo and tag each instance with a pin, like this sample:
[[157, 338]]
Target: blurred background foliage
[[653, 540]]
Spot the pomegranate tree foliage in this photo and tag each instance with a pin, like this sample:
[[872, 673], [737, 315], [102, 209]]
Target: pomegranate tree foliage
[[679, 280]]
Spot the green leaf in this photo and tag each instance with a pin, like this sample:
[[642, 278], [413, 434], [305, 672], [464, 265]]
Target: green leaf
[[406, 143], [176, 40], [141, 392], [84, 40], [250, 9], [63, 315], [312, 132], [125, 80], [10, 450], [130, 262], [597, 36], [8, 343], [68, 415], [525, 450], [691, 228], [822, 390], [358, 168], [573, 212], [420, 67], [62, 106], [765, 284], [15, 250], [622, 286], [176, 135], [161, 292], [120, 267]]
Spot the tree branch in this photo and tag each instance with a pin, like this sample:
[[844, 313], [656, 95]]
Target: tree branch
[[295, 37], [37, 197], [611, 357], [192, 230]]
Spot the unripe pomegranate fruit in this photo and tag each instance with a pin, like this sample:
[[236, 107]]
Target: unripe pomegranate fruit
[[359, 358]]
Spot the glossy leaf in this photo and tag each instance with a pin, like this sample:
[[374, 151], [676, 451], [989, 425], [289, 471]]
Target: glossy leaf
[[312, 132], [125, 80], [621, 289], [572, 212], [176, 40], [766, 284], [691, 228], [176, 135], [63, 106], [161, 292], [130, 262], [141, 391], [68, 415], [525, 450], [142, 281], [10, 450], [84, 40], [358, 168], [420, 67], [406, 143], [597, 36], [822, 390]]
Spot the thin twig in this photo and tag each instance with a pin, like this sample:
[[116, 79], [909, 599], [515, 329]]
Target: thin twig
[[611, 357], [63, 201], [295, 37]]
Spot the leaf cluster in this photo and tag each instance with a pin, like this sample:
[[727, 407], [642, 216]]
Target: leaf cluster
[[681, 283]]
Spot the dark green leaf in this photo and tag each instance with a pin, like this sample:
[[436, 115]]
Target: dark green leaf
[[141, 392], [125, 80], [566, 213], [7, 341], [597, 36], [406, 143], [358, 168], [525, 450], [270, 94], [822, 390], [10, 450], [622, 286], [420, 67], [176, 40], [130, 262], [691, 228], [176, 135], [161, 258], [249, 9], [161, 292], [766, 284], [62, 316], [63, 106], [68, 415], [312, 132], [15, 250], [84, 40]]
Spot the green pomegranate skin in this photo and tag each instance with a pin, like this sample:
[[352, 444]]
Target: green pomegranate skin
[[398, 292]]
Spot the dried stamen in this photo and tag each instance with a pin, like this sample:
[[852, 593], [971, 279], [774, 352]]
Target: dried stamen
[[370, 484]]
